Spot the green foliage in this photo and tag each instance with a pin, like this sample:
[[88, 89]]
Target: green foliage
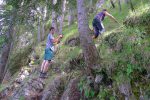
[[105, 94], [72, 4], [58, 6], [129, 69], [112, 39], [83, 87], [22, 98], [2, 40], [2, 86], [19, 59], [124, 51], [89, 93], [141, 17]]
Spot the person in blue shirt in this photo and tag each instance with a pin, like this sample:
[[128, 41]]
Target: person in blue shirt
[[49, 52], [97, 22]]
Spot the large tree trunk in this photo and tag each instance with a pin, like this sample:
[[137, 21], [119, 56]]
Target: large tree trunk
[[90, 52], [3, 60], [6, 50]]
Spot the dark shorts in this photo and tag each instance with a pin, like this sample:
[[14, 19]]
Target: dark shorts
[[97, 25], [49, 54]]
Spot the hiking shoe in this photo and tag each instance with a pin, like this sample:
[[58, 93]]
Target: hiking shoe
[[41, 75], [45, 75]]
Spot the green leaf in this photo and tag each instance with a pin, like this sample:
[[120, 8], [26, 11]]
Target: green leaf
[[129, 69], [87, 93]]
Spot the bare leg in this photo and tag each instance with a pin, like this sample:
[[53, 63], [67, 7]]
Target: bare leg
[[46, 66], [42, 66]]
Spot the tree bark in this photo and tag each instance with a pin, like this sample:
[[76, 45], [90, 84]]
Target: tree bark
[[61, 20], [44, 11], [54, 21], [39, 31], [70, 16], [3, 61], [90, 52], [91, 7], [54, 17], [127, 1], [112, 3], [6, 50], [119, 3]]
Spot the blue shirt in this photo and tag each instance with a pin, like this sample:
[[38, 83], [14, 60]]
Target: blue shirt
[[49, 43], [100, 15]]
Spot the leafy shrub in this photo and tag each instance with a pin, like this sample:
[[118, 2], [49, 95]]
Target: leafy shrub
[[19, 59]]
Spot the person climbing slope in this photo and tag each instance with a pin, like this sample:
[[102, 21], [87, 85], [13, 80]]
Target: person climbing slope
[[97, 22], [49, 52]]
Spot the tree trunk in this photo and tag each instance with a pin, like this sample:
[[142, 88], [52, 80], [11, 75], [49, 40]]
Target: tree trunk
[[44, 11], [61, 20], [91, 7], [43, 30], [119, 3], [90, 52], [132, 8], [127, 1], [39, 31], [54, 21], [98, 5], [112, 3], [6, 50], [3, 60], [70, 16], [54, 17]]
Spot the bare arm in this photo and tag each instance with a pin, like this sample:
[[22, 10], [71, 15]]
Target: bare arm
[[56, 40], [110, 16]]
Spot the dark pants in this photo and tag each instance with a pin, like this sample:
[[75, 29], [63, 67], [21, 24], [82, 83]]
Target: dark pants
[[97, 27]]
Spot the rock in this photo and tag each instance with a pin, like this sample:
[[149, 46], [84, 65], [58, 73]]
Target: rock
[[73, 42], [4, 93], [98, 79], [34, 87], [72, 92], [30, 91], [24, 73], [54, 91], [125, 89]]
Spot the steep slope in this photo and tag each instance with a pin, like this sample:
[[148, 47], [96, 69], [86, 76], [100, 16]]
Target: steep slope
[[125, 72]]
